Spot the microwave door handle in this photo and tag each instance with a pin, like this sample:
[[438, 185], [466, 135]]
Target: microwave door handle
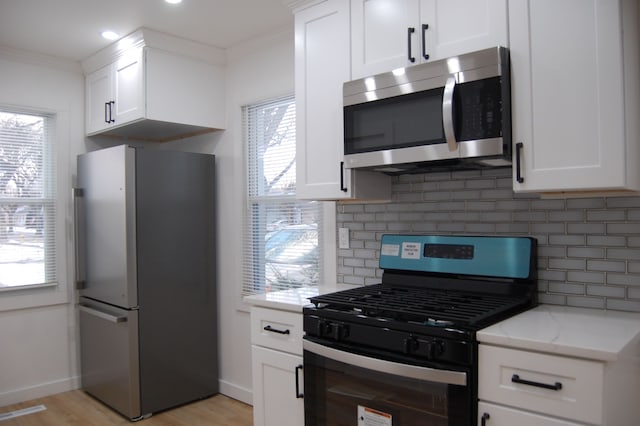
[[447, 113]]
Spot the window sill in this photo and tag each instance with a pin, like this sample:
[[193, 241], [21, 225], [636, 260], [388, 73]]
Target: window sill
[[25, 297]]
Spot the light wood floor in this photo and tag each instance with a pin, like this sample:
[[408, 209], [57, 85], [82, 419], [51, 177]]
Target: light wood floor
[[76, 408]]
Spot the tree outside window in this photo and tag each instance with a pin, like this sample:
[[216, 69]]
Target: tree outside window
[[27, 207], [281, 233]]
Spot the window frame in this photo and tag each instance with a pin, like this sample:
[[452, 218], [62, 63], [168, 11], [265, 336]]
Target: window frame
[[57, 291], [253, 254]]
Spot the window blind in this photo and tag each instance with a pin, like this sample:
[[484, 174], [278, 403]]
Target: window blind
[[27, 200], [281, 247]]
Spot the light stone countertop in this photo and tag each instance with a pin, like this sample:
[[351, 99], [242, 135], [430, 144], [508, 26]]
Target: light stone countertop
[[577, 332], [291, 300]]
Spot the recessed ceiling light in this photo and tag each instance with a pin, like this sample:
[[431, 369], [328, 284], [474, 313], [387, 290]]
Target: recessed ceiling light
[[109, 35], [173, 1]]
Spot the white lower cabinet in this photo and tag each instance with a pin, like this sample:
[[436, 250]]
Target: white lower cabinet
[[520, 387], [276, 353], [496, 415], [275, 401]]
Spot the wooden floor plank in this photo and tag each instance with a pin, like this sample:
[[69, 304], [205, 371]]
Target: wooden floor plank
[[76, 408]]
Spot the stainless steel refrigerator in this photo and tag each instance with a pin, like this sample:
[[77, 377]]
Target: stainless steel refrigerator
[[145, 259]]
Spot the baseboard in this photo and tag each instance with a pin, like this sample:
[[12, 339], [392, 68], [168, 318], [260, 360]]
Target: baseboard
[[39, 391], [236, 392]]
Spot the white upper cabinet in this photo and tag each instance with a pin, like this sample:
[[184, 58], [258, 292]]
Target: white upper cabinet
[[389, 34], [114, 93], [322, 65], [575, 95], [99, 93], [156, 88]]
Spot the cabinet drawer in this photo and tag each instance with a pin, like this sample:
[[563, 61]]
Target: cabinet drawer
[[503, 416], [275, 329], [574, 387]]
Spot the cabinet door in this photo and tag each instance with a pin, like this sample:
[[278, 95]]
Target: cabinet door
[[567, 91], [495, 415], [98, 93], [275, 402], [462, 26], [129, 87], [380, 37], [321, 66]]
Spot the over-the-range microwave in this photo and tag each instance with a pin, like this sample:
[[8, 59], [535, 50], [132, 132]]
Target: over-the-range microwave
[[446, 114]]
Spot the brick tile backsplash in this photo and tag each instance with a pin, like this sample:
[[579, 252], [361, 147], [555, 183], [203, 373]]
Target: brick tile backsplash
[[588, 248]]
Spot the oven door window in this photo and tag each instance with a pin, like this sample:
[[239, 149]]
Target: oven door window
[[343, 394], [400, 122]]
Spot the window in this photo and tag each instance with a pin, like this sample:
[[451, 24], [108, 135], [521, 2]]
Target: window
[[280, 249], [27, 200]]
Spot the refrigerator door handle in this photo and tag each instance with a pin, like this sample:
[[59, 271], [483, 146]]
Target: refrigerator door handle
[[103, 315], [78, 239]]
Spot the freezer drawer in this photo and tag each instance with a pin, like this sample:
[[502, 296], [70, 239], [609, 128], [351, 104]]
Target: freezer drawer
[[109, 355]]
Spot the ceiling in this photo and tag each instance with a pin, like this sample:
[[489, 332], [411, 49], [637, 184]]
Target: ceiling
[[70, 29]]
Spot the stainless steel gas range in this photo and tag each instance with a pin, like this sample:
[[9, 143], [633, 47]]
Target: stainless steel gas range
[[404, 352]]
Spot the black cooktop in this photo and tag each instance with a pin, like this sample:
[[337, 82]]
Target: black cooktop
[[433, 307]]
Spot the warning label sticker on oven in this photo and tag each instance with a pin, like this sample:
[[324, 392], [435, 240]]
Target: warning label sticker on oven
[[411, 251], [370, 417], [390, 250]]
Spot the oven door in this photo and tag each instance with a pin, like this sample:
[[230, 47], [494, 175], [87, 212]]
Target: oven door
[[346, 388]]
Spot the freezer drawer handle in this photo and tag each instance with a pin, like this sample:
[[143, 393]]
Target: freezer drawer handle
[[275, 330], [102, 315], [556, 386]]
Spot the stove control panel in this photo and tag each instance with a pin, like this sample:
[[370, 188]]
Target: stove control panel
[[500, 257], [448, 251], [414, 345]]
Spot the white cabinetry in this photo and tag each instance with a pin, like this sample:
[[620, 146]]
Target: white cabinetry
[[276, 352], [575, 95], [157, 88], [389, 34], [557, 365], [322, 65], [556, 386], [114, 93]]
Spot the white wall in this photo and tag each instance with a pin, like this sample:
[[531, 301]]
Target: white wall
[[38, 350]]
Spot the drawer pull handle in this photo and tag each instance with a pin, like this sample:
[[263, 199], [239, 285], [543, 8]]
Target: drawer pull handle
[[298, 393], [556, 386], [275, 330], [484, 419]]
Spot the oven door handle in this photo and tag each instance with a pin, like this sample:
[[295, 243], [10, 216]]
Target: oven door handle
[[399, 369]]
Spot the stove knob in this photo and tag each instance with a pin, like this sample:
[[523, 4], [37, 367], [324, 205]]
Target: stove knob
[[410, 344], [435, 348], [324, 328], [339, 331]]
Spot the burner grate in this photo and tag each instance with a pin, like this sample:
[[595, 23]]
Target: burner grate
[[428, 306]]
